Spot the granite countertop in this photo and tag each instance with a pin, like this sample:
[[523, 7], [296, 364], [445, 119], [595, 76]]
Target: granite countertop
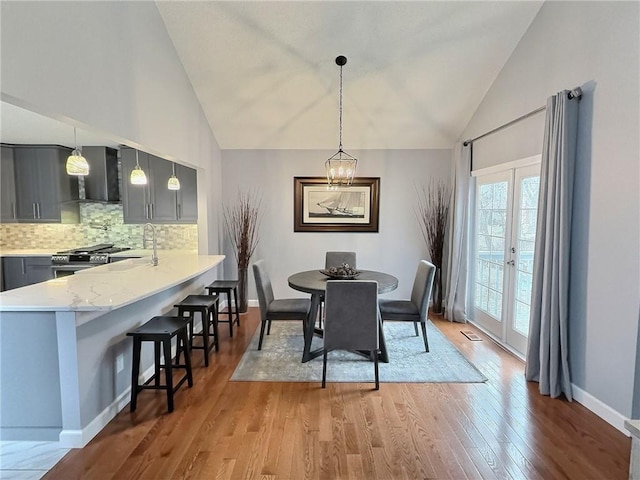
[[110, 286]]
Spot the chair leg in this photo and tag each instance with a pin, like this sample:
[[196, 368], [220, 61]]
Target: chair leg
[[214, 322], [182, 340], [261, 334], [375, 366], [135, 372], [424, 336], [324, 369], [235, 301], [168, 371], [415, 327], [229, 313], [320, 314], [204, 315], [269, 328]]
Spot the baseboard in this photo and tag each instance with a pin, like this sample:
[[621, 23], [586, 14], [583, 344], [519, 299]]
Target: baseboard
[[253, 303], [604, 411], [79, 438]]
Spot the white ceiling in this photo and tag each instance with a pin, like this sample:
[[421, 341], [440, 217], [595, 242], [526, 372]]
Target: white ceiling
[[266, 76]]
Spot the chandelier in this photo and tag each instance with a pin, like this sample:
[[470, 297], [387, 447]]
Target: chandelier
[[340, 167]]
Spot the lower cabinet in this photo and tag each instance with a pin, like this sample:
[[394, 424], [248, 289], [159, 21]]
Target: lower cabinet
[[22, 271]]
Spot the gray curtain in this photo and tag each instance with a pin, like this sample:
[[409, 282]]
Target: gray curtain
[[458, 246], [548, 351]]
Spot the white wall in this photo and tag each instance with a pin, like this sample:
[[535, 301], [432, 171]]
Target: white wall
[[111, 67], [594, 45], [396, 249]]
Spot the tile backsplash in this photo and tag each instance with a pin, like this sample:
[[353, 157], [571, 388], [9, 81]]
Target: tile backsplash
[[99, 223]]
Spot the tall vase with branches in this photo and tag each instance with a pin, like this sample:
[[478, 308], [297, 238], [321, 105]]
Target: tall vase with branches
[[432, 211], [242, 220]]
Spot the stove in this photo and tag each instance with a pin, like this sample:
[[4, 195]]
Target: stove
[[69, 261]]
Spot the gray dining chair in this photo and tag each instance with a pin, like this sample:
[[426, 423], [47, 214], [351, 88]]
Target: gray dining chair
[[335, 259], [351, 321], [415, 310], [276, 309]]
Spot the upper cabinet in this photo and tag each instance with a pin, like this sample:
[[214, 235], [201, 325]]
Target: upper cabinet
[[44, 193], [154, 202], [8, 211], [187, 196]]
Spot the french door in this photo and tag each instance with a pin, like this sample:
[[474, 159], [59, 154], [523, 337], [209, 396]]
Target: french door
[[504, 238]]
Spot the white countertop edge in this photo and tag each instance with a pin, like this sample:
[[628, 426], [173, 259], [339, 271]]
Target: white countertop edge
[[100, 273]]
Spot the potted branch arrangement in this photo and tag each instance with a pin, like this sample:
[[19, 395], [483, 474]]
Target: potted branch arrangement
[[242, 220], [432, 212]]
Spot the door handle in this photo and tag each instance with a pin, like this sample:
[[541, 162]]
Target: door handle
[[33, 207], [151, 211], [39, 215], [23, 266], [13, 211]]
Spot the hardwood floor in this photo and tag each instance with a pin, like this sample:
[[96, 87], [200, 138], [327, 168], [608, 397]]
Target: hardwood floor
[[499, 429]]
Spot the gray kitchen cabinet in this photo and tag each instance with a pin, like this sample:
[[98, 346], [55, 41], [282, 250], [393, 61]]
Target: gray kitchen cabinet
[[7, 187], [187, 196], [44, 191], [22, 271], [154, 202]]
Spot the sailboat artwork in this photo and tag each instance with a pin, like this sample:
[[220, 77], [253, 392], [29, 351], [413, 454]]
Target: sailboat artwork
[[318, 207], [338, 204]]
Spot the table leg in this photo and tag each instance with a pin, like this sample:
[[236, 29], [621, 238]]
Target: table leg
[[384, 355], [309, 329]]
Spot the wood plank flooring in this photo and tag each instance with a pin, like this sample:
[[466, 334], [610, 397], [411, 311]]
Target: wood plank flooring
[[501, 429]]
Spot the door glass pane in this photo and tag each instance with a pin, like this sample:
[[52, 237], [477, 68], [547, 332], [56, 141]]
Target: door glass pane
[[526, 225], [491, 230]]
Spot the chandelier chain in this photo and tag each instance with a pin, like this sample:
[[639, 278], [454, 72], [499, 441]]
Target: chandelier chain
[[340, 108]]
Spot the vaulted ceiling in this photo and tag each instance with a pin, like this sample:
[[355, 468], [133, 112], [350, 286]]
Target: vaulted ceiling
[[266, 76], [265, 71]]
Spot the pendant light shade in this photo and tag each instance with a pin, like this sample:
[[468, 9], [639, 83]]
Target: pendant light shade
[[138, 176], [341, 167], [76, 163], [173, 183]]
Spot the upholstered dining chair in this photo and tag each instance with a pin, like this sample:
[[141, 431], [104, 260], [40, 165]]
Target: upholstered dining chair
[[276, 309], [415, 310], [335, 259], [351, 321]]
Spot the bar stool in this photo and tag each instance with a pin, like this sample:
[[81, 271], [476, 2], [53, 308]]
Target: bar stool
[[160, 330], [207, 306], [227, 286]]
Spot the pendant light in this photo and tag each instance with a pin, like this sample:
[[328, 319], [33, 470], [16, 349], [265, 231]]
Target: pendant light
[[173, 183], [76, 163], [137, 174], [341, 167]]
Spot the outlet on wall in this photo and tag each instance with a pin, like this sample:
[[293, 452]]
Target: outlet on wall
[[119, 363]]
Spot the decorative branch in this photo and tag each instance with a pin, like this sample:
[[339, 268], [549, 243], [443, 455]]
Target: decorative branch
[[432, 212], [242, 221]]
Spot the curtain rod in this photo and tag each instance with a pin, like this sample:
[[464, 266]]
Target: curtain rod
[[575, 93]]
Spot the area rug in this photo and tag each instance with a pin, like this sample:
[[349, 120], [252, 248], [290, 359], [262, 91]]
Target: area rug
[[281, 355]]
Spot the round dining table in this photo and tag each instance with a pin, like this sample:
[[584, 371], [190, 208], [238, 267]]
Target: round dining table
[[315, 283]]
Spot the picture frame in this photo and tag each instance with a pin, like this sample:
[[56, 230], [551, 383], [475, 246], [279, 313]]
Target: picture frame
[[320, 208]]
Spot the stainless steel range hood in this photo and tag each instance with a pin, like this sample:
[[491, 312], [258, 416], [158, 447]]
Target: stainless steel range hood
[[102, 183]]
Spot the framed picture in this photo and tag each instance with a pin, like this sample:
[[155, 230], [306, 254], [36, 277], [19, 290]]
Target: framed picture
[[319, 208]]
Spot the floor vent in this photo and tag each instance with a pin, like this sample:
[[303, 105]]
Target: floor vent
[[471, 336]]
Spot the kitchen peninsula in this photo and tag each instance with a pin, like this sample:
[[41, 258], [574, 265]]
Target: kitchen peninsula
[[65, 360]]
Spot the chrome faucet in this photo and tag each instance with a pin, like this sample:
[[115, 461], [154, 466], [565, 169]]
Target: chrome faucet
[[154, 256]]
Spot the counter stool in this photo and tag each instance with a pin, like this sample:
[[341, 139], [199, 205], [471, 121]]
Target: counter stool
[[160, 330], [207, 306], [227, 286]]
